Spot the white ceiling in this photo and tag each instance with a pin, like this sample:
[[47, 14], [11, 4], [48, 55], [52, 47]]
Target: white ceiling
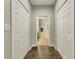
[[43, 2]]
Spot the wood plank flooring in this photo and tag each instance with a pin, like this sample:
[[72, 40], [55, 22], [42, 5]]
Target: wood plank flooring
[[43, 52], [43, 41]]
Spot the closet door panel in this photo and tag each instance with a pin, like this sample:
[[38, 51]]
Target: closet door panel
[[19, 30], [59, 4], [67, 30]]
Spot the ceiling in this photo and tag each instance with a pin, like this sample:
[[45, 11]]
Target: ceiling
[[43, 2]]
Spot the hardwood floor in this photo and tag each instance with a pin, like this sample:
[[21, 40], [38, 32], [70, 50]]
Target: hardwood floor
[[43, 52], [43, 41]]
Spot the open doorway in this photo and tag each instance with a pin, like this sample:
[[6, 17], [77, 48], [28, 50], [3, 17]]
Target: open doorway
[[42, 31]]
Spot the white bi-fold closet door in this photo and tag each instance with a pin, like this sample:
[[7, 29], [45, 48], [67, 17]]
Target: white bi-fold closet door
[[20, 28], [65, 30]]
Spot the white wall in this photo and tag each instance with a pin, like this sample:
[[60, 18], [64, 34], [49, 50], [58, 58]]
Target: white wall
[[21, 29], [42, 11], [64, 28], [7, 33]]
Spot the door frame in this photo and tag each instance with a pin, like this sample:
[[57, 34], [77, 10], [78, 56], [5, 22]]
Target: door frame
[[37, 18]]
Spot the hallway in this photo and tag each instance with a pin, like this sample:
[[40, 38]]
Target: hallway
[[43, 52], [39, 29]]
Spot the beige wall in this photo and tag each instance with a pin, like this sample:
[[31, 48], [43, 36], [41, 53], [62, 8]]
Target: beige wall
[[64, 28], [42, 11], [7, 33]]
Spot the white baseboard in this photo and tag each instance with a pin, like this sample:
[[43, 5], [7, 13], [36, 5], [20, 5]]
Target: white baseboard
[[30, 48], [34, 45], [53, 46], [27, 51]]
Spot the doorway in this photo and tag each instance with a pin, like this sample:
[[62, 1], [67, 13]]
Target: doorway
[[42, 31]]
